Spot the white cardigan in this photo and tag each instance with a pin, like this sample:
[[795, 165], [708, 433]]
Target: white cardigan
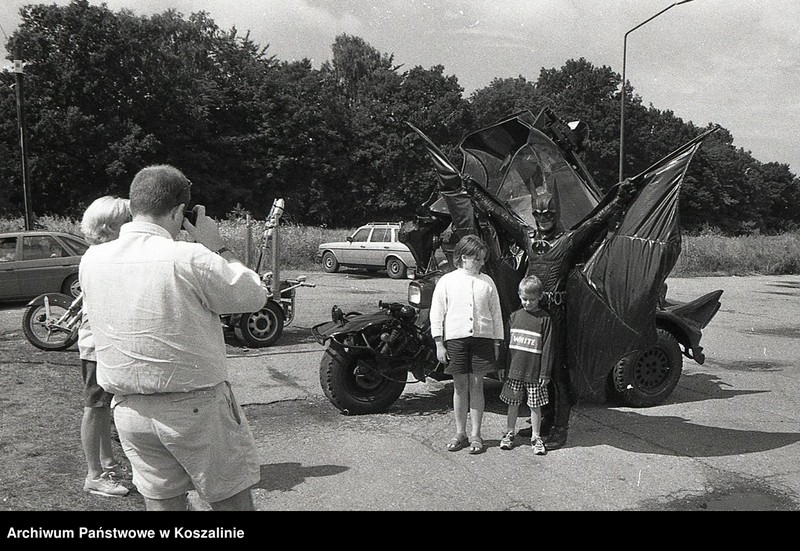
[[465, 305]]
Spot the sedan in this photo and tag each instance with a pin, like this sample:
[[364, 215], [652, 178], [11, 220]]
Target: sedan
[[37, 262]]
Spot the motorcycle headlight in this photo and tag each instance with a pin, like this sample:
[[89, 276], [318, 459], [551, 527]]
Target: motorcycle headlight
[[414, 295]]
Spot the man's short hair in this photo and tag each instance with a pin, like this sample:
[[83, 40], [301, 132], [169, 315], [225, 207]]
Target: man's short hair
[[158, 189]]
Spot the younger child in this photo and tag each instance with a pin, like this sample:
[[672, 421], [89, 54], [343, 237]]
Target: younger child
[[100, 223], [528, 363], [467, 326]]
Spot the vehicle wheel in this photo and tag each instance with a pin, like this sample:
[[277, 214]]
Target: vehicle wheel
[[329, 263], [395, 268], [649, 377], [36, 331], [356, 392], [71, 286], [262, 328]]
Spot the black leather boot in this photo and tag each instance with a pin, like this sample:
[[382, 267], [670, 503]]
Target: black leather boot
[[562, 406]]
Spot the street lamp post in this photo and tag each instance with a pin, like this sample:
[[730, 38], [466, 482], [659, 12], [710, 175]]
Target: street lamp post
[[622, 93], [23, 141]]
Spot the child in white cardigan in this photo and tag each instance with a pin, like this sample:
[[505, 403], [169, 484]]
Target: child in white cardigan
[[467, 327]]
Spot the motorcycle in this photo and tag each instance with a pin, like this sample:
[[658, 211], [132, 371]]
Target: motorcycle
[[264, 328], [51, 321], [369, 357]]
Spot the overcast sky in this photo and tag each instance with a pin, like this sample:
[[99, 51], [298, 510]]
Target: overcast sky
[[731, 62]]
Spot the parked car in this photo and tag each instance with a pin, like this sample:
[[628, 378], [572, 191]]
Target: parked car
[[37, 262], [373, 246]]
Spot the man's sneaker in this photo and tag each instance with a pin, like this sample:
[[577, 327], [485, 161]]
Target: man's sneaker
[[508, 441], [104, 486], [538, 446], [118, 471]]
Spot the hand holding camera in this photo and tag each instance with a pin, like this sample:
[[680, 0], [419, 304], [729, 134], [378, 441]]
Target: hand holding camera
[[202, 229]]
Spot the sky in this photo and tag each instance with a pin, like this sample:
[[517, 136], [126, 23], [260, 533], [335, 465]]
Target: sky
[[730, 62]]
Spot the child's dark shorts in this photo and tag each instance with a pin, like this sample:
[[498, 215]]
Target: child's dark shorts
[[93, 394], [470, 355]]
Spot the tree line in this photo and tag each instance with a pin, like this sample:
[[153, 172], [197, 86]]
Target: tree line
[[107, 93]]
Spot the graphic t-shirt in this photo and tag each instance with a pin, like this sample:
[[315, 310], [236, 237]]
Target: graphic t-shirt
[[528, 357]]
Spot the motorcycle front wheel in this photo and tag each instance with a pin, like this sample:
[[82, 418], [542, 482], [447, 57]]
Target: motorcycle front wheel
[[262, 328], [353, 386], [35, 328]]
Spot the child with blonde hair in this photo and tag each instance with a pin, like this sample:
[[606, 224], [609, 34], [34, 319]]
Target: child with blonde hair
[[101, 222], [528, 363], [467, 327]]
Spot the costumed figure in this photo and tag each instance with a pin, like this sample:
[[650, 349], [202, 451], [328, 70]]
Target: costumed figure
[[552, 253]]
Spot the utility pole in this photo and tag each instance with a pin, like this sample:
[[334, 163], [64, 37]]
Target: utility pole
[[23, 139]]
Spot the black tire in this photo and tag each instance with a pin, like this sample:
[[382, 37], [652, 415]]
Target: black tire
[[368, 392], [649, 377], [37, 334], [71, 286], [262, 328], [396, 268], [329, 262]]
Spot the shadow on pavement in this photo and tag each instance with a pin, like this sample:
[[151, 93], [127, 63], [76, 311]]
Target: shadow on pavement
[[672, 435], [285, 476]]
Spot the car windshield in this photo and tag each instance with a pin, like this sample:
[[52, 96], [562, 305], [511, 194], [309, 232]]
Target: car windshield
[[79, 247]]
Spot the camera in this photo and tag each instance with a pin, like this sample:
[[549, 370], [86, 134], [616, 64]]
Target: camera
[[191, 216]]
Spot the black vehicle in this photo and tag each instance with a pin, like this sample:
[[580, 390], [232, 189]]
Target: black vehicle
[[626, 340]]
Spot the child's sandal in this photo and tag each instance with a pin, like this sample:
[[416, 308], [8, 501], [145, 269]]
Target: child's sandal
[[475, 445], [457, 443]]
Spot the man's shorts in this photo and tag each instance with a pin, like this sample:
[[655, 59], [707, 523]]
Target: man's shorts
[[514, 392], [183, 440], [470, 355], [93, 394]]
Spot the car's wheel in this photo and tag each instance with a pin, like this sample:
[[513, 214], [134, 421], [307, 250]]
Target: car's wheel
[[395, 268], [329, 262], [71, 286], [262, 328], [647, 378], [353, 386]]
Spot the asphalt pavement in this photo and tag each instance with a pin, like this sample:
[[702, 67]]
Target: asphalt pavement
[[726, 439]]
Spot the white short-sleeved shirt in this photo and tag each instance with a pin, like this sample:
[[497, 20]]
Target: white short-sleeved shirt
[[154, 305]]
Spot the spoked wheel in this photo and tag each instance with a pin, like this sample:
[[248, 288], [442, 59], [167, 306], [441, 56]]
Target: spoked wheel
[[262, 328], [649, 377], [39, 330]]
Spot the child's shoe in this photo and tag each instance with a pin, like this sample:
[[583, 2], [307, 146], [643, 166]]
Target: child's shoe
[[104, 486], [508, 441], [538, 446], [118, 471]]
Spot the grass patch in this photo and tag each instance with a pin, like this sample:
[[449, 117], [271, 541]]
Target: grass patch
[[713, 254]]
